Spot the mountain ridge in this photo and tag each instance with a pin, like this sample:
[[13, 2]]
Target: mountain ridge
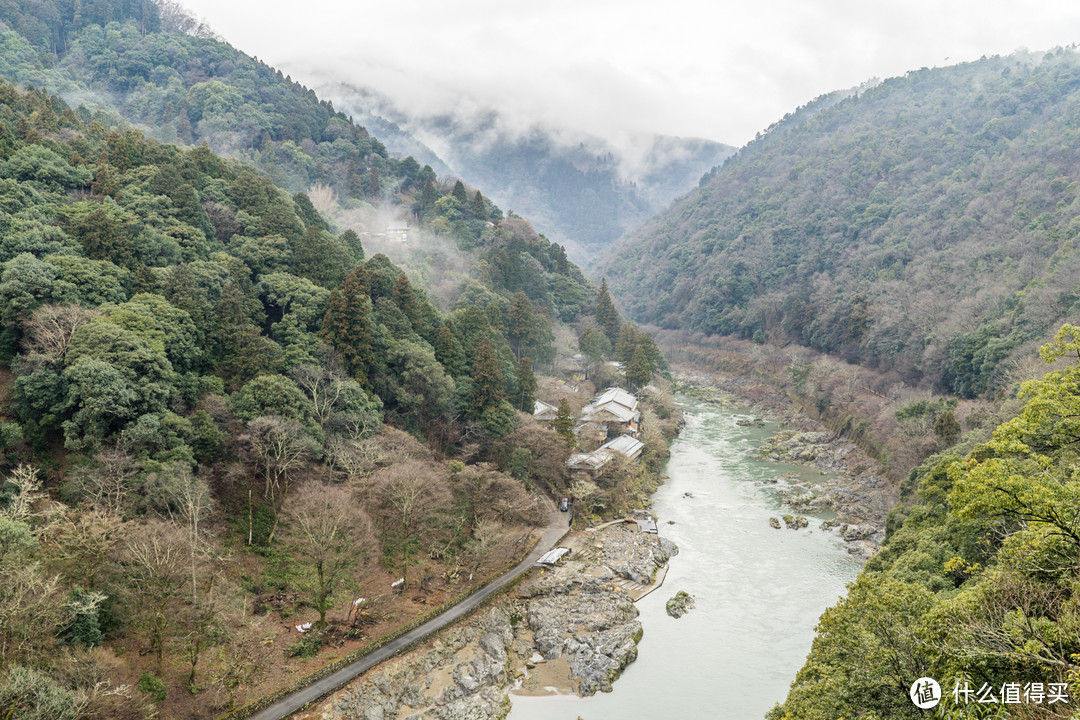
[[581, 190]]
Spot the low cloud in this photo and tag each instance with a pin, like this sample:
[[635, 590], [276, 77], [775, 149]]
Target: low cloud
[[685, 68]]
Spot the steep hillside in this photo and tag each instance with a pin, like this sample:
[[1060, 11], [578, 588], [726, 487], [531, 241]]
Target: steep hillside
[[220, 413], [582, 191], [925, 225]]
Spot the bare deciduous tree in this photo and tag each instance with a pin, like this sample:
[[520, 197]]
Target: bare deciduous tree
[[280, 447], [155, 560], [25, 495], [322, 386], [47, 333], [331, 533], [177, 18], [83, 542], [31, 611], [107, 485], [409, 493], [188, 500], [240, 660]]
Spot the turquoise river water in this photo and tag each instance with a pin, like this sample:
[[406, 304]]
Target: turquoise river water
[[759, 591]]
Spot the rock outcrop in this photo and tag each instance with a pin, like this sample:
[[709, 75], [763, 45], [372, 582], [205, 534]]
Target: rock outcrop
[[680, 604], [575, 621]]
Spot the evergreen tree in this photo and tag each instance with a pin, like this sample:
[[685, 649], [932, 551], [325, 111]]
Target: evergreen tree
[[488, 383], [526, 386], [639, 371], [479, 207], [626, 343], [448, 350], [405, 298], [607, 317], [521, 321], [351, 240], [428, 196], [947, 427], [564, 423], [459, 194], [374, 187], [348, 325]]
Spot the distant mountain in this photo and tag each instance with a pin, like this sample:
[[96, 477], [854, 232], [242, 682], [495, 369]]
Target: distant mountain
[[580, 190], [924, 225]]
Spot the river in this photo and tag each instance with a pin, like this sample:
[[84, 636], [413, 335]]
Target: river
[[759, 591]]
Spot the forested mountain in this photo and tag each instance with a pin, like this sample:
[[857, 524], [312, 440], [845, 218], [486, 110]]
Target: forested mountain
[[585, 193], [924, 226], [217, 411]]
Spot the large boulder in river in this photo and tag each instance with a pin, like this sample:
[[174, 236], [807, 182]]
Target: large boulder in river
[[680, 604]]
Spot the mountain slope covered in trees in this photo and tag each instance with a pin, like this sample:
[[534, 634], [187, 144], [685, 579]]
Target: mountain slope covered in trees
[[219, 413], [924, 226]]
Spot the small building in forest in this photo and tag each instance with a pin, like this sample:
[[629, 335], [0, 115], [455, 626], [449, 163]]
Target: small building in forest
[[615, 409], [544, 412]]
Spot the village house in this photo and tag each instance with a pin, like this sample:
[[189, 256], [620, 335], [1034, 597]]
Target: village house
[[544, 412], [615, 409], [591, 465], [398, 231]]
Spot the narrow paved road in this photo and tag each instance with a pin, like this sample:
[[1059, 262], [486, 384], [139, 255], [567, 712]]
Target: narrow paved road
[[557, 527]]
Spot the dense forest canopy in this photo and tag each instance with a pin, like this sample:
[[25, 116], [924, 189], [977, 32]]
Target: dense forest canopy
[[924, 225], [217, 407], [976, 584]]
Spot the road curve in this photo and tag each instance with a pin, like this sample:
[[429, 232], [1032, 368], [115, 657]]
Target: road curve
[[557, 527]]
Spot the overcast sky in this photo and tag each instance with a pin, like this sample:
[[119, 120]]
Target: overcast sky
[[720, 70]]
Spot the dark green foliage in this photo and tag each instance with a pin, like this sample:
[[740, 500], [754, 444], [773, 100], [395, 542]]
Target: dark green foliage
[[348, 324], [307, 646], [85, 628], [946, 427], [153, 686], [270, 395], [525, 395], [607, 317], [488, 384], [594, 344], [564, 423], [639, 370], [873, 225]]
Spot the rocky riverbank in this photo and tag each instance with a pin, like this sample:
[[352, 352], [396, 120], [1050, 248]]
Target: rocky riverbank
[[572, 628], [852, 485]]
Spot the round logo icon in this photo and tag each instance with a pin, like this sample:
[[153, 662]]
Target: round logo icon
[[925, 693]]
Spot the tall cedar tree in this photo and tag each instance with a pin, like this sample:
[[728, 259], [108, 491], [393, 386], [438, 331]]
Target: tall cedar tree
[[564, 423], [460, 195], [404, 297], [488, 384], [479, 207], [607, 317], [526, 385], [448, 350], [521, 322], [639, 371], [347, 324]]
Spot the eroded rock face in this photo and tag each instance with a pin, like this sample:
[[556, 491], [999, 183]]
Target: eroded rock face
[[593, 626], [635, 556], [438, 683]]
